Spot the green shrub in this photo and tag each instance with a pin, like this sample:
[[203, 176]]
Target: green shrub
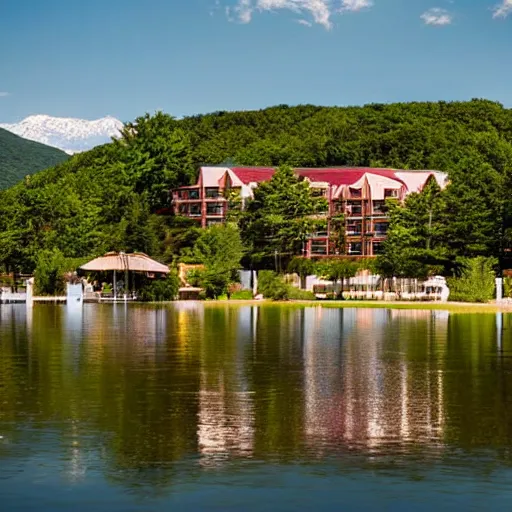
[[49, 273], [273, 286], [297, 294], [476, 282], [238, 295], [194, 276], [215, 281], [507, 287], [161, 290]]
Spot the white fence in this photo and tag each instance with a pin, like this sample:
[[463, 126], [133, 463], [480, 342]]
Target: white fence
[[9, 297]]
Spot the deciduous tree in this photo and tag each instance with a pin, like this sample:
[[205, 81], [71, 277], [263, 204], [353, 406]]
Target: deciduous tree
[[278, 220], [219, 249]]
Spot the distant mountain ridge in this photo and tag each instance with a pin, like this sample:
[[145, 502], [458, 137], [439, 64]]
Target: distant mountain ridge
[[68, 134], [20, 157]]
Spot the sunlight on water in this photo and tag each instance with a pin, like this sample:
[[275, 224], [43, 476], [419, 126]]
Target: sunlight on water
[[227, 408]]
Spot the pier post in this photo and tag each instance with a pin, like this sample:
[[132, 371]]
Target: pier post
[[499, 289], [30, 292]]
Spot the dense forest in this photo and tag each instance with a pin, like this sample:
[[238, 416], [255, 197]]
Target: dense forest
[[107, 198], [21, 157]]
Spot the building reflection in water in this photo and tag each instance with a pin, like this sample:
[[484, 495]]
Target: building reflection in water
[[364, 384], [226, 404]]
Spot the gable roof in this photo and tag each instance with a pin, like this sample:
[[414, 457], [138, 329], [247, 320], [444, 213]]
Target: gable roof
[[253, 174]]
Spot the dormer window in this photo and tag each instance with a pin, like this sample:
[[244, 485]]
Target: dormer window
[[319, 192], [389, 193]]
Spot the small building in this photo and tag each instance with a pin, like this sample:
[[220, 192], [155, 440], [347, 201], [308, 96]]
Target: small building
[[189, 293], [123, 267]]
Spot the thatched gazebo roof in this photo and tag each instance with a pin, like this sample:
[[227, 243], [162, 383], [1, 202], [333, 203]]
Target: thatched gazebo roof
[[121, 262]]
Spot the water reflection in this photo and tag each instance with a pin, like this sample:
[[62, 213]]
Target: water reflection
[[141, 394], [226, 405], [363, 387]]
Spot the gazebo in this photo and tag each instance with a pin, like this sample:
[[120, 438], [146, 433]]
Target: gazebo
[[125, 263]]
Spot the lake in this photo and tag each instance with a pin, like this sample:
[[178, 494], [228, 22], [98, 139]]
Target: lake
[[217, 407]]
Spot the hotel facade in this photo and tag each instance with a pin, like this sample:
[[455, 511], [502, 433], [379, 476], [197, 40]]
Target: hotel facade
[[358, 194]]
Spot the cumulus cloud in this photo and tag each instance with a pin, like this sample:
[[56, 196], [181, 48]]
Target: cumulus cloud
[[306, 23], [503, 10], [437, 16], [320, 10], [3, 94]]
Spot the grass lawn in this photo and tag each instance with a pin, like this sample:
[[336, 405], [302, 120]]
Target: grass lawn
[[454, 307], [242, 295]]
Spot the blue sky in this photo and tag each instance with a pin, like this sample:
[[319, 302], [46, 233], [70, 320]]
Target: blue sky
[[126, 57]]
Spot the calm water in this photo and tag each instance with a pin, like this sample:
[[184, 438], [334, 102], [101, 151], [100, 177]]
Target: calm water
[[116, 408]]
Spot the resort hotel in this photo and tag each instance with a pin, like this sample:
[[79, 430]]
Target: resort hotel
[[356, 195]]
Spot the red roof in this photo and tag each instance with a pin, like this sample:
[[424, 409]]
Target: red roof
[[345, 175], [334, 176], [253, 174]]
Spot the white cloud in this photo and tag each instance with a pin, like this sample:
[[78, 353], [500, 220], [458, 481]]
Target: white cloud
[[355, 5], [305, 23], [4, 94], [320, 10], [437, 16], [243, 11], [503, 10]]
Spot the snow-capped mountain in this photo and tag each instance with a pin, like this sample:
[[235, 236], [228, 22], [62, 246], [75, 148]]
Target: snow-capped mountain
[[70, 135]]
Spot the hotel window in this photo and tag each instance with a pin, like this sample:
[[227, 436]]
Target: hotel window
[[379, 207], [378, 248], [214, 209], [212, 192], [188, 194], [355, 248], [183, 209], [354, 208], [381, 228], [356, 192], [319, 247], [354, 228], [321, 233], [339, 207], [195, 210]]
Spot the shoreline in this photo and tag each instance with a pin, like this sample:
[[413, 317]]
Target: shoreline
[[453, 307]]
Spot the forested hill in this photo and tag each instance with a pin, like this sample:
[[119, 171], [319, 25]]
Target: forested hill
[[104, 199], [21, 157]]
